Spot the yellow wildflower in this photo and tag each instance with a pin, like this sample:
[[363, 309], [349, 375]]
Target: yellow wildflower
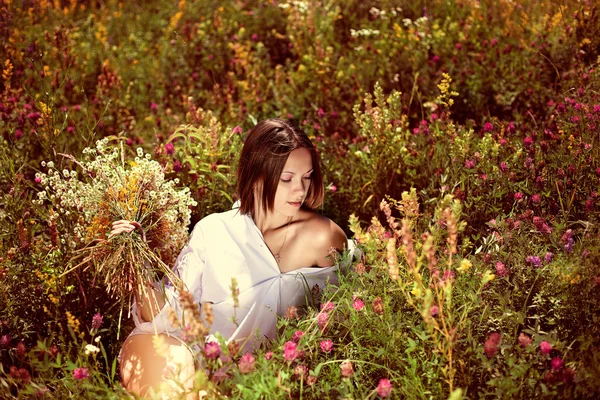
[[7, 72], [487, 277], [72, 321], [416, 291], [465, 265]]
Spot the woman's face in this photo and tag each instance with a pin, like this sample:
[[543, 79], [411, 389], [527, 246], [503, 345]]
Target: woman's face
[[294, 182]]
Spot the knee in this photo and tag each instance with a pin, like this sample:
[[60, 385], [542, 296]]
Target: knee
[[143, 368]]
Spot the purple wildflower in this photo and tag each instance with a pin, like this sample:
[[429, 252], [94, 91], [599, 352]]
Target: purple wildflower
[[384, 388], [556, 363], [246, 363], [290, 352], [81, 373], [535, 260], [501, 269], [326, 346], [212, 350], [545, 347], [97, 321]]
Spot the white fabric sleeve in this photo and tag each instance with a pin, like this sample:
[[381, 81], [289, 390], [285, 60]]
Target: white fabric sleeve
[[189, 266], [354, 254]]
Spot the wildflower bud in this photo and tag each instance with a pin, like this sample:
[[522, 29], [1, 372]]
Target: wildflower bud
[[24, 375], [268, 355], [291, 313], [524, 340], [322, 319], [378, 306], [434, 310], [246, 363], [501, 269], [327, 306], [176, 166], [97, 321], [346, 369], [212, 350], [315, 291], [545, 347], [169, 148], [534, 260], [360, 269], [208, 313], [5, 341], [518, 196], [290, 352], [300, 370], [326, 346], [237, 130], [358, 304], [297, 336], [391, 259], [233, 347], [448, 276], [21, 349], [311, 380], [384, 388], [556, 363], [491, 344], [81, 373]]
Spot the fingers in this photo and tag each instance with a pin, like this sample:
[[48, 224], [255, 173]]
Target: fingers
[[119, 227], [121, 223]]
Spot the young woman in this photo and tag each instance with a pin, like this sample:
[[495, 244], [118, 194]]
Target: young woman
[[270, 242]]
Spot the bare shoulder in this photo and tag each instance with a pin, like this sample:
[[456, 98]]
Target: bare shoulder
[[322, 234]]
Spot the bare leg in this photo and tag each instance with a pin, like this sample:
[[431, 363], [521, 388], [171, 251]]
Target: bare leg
[[143, 369]]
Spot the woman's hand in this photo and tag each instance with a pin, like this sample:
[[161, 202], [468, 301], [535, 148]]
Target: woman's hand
[[122, 226]]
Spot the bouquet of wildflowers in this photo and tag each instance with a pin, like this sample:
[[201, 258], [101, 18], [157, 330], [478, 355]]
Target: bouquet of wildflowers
[[109, 189]]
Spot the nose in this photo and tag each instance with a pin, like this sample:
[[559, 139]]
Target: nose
[[300, 188]]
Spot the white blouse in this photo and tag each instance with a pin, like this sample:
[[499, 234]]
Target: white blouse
[[229, 245]]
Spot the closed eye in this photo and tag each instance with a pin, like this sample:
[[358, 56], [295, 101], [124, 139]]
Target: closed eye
[[308, 178]]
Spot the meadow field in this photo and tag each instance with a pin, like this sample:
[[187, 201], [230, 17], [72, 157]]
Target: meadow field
[[460, 145]]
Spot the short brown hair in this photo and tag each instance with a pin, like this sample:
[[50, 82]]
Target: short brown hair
[[263, 157]]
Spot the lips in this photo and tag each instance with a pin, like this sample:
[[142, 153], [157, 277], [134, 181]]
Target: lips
[[295, 204]]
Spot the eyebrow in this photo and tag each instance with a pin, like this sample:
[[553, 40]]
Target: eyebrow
[[293, 173]]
